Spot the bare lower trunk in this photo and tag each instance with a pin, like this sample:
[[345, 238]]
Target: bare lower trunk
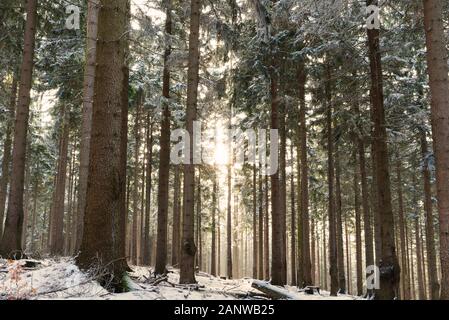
[[434, 285], [389, 266], [439, 86], [187, 274], [405, 277], [339, 226], [58, 204], [164, 156], [255, 251], [304, 181], [333, 254], [104, 220], [6, 161], [86, 126], [11, 242], [213, 263], [148, 186], [358, 234]]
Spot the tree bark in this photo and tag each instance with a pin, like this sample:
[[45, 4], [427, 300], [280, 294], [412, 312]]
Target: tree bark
[[86, 125], [255, 246], [402, 222], [6, 161], [213, 263], [304, 180], [439, 87], [358, 234], [339, 226], [58, 204], [293, 221], [389, 266], [434, 285], [261, 230], [11, 243], [148, 186], [164, 155], [105, 215], [187, 274], [333, 254]]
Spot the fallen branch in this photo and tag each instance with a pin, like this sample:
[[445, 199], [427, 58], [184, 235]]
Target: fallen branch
[[276, 293]]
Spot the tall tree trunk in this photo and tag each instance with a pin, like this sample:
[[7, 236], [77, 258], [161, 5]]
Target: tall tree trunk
[[6, 161], [261, 230], [348, 257], [405, 276], [35, 200], [199, 256], [266, 232], [283, 180], [304, 181], [213, 262], [148, 185], [105, 215], [176, 231], [358, 233], [229, 224], [434, 285], [418, 247], [293, 220], [135, 194], [439, 87], [86, 126], [187, 274], [339, 227], [389, 266], [255, 247], [58, 204], [164, 155], [11, 242], [333, 254]]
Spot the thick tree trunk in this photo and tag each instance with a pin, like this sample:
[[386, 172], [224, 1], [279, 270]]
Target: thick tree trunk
[[199, 254], [402, 222], [105, 216], [304, 180], [11, 242], [58, 204], [358, 234], [164, 155], [333, 254], [389, 266], [293, 220], [434, 285], [283, 180], [86, 126], [439, 87], [6, 161], [255, 247], [277, 236], [339, 227], [176, 231], [136, 176], [187, 274], [148, 185]]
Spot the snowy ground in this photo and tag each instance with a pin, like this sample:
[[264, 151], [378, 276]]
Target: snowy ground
[[61, 279]]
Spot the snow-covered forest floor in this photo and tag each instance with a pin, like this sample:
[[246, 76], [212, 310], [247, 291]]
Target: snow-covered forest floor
[[61, 279]]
